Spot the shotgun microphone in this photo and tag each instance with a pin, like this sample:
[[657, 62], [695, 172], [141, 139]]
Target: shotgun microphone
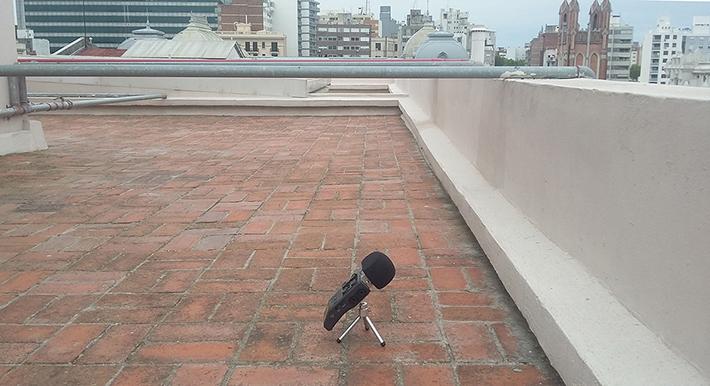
[[377, 269]]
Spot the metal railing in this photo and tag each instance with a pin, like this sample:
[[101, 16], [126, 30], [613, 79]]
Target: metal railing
[[295, 68], [64, 104]]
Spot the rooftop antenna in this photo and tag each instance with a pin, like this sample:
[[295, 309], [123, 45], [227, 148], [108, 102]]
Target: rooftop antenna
[[427, 7]]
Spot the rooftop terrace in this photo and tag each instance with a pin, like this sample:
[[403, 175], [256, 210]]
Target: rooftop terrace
[[201, 250]]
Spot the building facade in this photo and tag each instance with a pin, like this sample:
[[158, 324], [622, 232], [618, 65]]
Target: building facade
[[698, 39], [456, 22], [482, 45], [260, 43], [109, 23], [619, 53], [689, 70], [257, 13], [384, 47], [542, 50], [659, 47], [340, 35], [368, 19], [584, 47]]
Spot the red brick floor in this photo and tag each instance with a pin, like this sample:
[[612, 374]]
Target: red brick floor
[[201, 250]]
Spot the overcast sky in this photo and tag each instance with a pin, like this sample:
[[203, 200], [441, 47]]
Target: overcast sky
[[518, 21]]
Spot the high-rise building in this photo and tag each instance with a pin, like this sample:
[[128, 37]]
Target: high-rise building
[[298, 19], [584, 47], [388, 26], [635, 53], [341, 35], [257, 13], [415, 21], [456, 22], [109, 23], [659, 47], [619, 50]]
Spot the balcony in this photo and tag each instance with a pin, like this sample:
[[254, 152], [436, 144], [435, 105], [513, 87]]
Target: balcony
[[195, 239]]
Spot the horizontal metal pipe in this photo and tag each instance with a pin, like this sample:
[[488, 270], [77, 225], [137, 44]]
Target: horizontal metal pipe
[[255, 61], [289, 71], [62, 104], [274, 64]]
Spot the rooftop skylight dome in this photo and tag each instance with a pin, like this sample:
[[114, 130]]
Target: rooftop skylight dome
[[198, 30], [145, 33], [441, 45]]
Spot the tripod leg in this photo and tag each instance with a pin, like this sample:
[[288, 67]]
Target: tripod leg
[[347, 330], [377, 334]]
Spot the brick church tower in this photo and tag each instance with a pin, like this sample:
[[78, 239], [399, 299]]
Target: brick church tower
[[584, 47]]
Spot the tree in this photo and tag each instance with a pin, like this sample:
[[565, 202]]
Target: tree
[[501, 61], [635, 72]]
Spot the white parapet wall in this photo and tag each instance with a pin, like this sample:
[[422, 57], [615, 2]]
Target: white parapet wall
[[17, 134], [592, 200]]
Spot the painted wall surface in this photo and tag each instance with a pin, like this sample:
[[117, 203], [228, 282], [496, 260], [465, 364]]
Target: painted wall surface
[[8, 55], [617, 175], [285, 20]]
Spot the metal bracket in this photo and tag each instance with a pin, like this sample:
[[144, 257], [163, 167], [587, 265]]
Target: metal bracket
[[18, 90]]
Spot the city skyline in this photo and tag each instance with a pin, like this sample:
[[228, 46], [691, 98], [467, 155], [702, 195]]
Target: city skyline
[[514, 31]]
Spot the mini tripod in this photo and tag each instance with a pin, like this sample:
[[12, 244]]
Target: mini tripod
[[362, 313]]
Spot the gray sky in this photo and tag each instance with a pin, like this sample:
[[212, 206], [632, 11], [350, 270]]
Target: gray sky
[[518, 21]]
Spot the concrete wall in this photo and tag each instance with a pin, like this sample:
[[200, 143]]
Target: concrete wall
[[615, 176], [16, 134]]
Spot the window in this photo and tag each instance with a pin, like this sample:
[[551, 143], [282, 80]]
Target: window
[[274, 47], [378, 46], [263, 44], [255, 46], [247, 46]]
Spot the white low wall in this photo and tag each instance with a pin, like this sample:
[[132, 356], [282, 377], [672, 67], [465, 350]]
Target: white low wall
[[592, 200], [17, 134], [180, 87]]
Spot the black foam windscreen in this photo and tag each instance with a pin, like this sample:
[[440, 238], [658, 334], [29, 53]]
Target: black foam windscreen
[[379, 269]]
